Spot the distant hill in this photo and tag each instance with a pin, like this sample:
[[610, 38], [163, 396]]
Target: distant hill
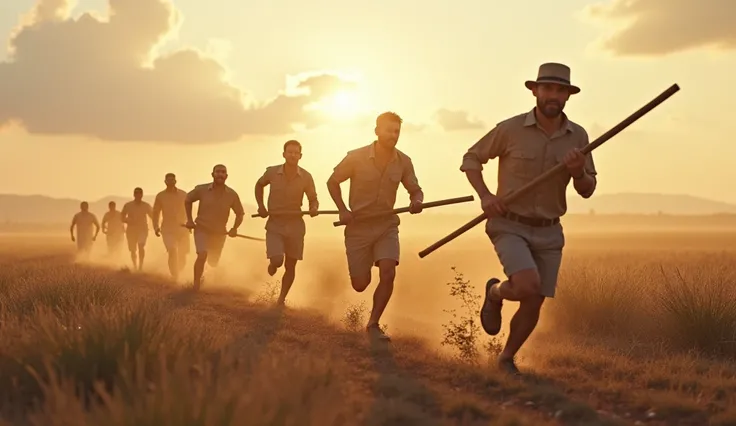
[[643, 203], [43, 209]]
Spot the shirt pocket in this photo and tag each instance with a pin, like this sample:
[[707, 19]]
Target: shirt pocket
[[393, 179], [524, 164]]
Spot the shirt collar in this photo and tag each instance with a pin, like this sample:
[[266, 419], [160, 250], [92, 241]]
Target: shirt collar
[[372, 152], [280, 170], [212, 185]]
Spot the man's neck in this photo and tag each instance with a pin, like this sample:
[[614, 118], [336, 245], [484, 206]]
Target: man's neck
[[217, 185], [171, 189], [384, 151], [290, 168]]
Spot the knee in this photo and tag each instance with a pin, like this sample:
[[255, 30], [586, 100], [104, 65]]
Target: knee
[[290, 264], [527, 284], [277, 261], [387, 270], [360, 283], [201, 257], [532, 303]]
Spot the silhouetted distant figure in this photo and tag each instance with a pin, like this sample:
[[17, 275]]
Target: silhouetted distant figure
[[285, 233], [113, 228], [169, 203], [375, 172], [135, 215], [527, 234], [210, 229], [84, 221]]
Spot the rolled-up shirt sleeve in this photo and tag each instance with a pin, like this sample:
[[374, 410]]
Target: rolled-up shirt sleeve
[[490, 146]]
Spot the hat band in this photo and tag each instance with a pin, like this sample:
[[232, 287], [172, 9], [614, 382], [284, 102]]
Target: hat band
[[553, 78]]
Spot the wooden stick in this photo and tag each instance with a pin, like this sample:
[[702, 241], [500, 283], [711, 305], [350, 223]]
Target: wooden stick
[[242, 236], [431, 204], [297, 213], [557, 168]]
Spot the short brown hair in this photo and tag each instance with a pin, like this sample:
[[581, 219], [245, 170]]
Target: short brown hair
[[293, 142], [388, 116]]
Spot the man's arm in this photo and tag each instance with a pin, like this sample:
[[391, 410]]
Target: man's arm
[[156, 212], [124, 214], [490, 146], [258, 190], [105, 219], [311, 192], [191, 197], [586, 184], [237, 208], [342, 172], [97, 225], [411, 184], [74, 223]]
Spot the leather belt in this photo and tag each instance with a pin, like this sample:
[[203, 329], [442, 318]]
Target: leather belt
[[531, 221]]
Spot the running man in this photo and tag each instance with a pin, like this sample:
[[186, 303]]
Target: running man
[[169, 203], [113, 228], [285, 233], [526, 234], [210, 229], [84, 220], [135, 215], [375, 172]]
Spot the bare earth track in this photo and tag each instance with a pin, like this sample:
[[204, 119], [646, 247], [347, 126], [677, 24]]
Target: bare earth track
[[85, 345]]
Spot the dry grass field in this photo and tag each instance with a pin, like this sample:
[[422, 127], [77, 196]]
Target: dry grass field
[[643, 331]]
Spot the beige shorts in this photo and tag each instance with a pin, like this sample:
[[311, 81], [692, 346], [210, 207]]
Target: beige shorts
[[176, 240], [212, 244], [136, 238], [368, 242], [286, 244], [521, 246]]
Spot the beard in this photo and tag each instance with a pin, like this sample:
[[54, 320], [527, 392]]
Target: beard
[[550, 109]]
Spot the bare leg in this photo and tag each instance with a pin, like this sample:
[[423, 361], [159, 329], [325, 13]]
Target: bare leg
[[141, 256], [523, 323], [134, 258], [174, 262], [199, 269], [287, 279], [387, 273], [274, 263]]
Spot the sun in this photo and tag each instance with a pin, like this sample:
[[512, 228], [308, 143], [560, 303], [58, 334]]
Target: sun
[[343, 105]]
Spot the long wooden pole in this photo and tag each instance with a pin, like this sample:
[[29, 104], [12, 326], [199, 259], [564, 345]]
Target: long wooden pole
[[431, 204], [247, 237], [557, 168], [296, 213]]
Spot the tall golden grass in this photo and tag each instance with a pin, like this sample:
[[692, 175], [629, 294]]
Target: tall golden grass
[[639, 332]]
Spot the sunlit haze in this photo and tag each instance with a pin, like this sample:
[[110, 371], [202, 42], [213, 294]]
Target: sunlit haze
[[94, 108]]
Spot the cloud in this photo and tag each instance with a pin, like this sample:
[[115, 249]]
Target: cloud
[[451, 120], [102, 78], [661, 27]]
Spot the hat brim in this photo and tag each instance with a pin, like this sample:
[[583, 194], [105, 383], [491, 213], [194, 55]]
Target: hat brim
[[530, 84]]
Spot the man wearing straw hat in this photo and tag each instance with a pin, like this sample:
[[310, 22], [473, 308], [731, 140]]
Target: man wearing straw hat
[[527, 234], [375, 172], [285, 232]]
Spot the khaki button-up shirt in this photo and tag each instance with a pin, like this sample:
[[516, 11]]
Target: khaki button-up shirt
[[85, 222], [370, 190], [170, 206], [114, 222], [214, 207], [525, 151], [136, 214], [287, 195]]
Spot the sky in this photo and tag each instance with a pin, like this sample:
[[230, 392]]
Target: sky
[[99, 97]]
